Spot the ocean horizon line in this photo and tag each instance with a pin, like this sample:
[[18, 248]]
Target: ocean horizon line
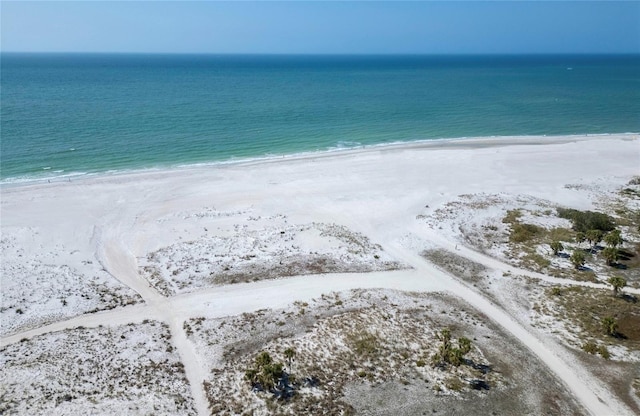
[[330, 54]]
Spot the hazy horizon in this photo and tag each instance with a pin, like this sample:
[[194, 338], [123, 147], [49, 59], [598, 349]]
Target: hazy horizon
[[323, 28]]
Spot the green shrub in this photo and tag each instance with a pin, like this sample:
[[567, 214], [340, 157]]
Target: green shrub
[[523, 232], [561, 234], [365, 343], [604, 352], [512, 216], [454, 384], [537, 259], [610, 326], [584, 221], [590, 347]]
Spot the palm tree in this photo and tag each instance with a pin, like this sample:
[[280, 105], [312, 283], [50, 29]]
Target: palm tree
[[580, 238], [577, 258], [464, 344], [251, 375], [611, 255], [617, 283], [594, 237], [289, 353], [263, 359], [447, 353], [598, 237], [613, 239], [556, 246], [256, 374], [270, 375], [445, 336], [442, 356], [610, 326], [266, 372], [455, 357]]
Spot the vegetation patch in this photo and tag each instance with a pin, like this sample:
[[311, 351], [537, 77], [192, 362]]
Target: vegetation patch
[[560, 234], [598, 318], [584, 221], [521, 233], [374, 339], [571, 253], [593, 348], [559, 241], [538, 260], [457, 265]]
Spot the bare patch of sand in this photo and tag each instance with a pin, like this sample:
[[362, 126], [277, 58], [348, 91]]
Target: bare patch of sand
[[44, 286]]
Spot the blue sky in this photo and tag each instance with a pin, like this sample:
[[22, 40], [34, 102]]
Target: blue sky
[[322, 27]]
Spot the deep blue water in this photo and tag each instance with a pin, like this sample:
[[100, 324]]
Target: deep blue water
[[85, 113]]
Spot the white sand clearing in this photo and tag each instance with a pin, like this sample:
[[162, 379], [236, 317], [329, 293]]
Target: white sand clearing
[[221, 240]]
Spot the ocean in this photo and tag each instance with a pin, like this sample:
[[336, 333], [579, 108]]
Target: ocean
[[78, 114]]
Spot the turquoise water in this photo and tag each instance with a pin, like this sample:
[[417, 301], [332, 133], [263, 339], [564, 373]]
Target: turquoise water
[[80, 113]]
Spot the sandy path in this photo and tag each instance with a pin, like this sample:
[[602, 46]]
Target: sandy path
[[235, 299], [194, 369], [121, 263], [118, 316]]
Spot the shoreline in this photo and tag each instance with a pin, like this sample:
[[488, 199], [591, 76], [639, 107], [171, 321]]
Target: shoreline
[[439, 143]]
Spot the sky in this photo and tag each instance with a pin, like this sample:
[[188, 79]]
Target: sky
[[327, 27]]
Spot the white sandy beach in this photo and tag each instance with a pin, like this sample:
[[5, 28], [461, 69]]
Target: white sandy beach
[[220, 240]]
